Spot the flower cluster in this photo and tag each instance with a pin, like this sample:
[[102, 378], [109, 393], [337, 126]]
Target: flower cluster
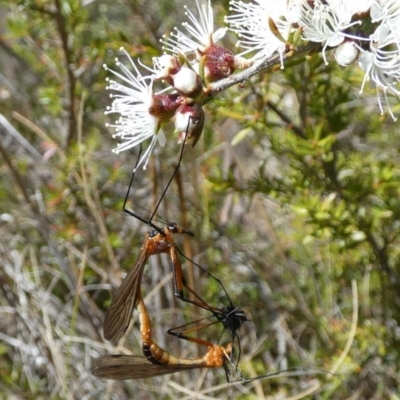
[[367, 32], [194, 62], [263, 27]]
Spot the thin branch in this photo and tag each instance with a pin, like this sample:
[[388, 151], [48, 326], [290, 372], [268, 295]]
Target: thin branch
[[71, 82], [294, 54], [23, 142], [27, 67], [296, 129], [15, 173], [382, 256]]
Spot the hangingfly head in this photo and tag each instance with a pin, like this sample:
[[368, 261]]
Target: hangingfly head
[[217, 356], [167, 236], [173, 229], [232, 319]]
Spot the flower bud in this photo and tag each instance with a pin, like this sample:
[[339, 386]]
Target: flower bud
[[164, 106], [346, 53], [218, 62], [187, 83], [184, 80], [189, 122]]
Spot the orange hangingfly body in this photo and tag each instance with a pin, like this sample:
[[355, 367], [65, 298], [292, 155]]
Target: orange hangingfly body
[[157, 361], [214, 358]]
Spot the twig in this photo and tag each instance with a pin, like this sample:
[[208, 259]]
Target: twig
[[14, 133], [71, 82], [296, 129], [223, 84]]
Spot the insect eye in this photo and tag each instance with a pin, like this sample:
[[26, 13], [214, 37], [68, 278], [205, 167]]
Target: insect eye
[[242, 316], [172, 226], [153, 233]]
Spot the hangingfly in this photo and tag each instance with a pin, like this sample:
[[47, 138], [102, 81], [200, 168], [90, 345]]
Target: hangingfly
[[157, 361], [119, 314]]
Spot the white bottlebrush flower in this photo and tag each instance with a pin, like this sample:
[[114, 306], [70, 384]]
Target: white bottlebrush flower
[[201, 32], [381, 64], [263, 27], [141, 112], [326, 22], [358, 6], [387, 12]]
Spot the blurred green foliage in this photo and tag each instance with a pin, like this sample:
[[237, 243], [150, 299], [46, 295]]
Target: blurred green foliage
[[293, 192]]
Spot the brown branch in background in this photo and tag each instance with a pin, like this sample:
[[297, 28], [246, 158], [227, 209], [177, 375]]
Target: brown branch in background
[[144, 16], [15, 173], [155, 171], [381, 255], [71, 81], [25, 65], [296, 129]]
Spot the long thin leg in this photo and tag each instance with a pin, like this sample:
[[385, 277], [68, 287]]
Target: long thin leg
[[175, 170], [208, 273], [231, 317], [137, 216], [179, 284], [130, 212], [184, 334]]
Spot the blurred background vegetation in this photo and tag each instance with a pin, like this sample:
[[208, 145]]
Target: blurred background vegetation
[[293, 193]]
